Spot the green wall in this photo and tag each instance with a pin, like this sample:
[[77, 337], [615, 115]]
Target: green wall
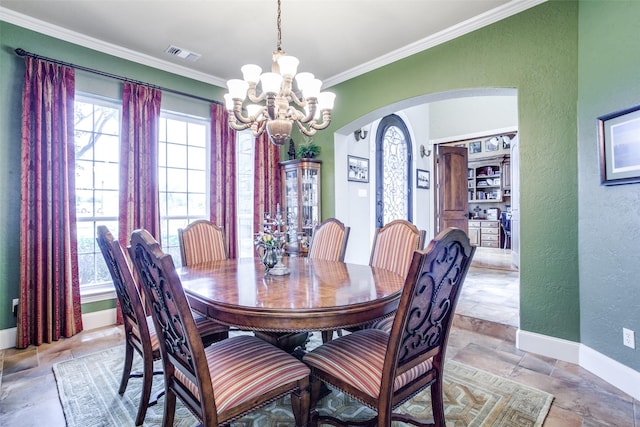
[[536, 53], [609, 60]]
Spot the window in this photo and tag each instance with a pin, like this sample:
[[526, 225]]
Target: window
[[97, 148], [393, 171], [245, 165], [183, 174]]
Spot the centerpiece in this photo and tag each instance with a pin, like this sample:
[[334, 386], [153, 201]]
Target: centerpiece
[[270, 244]]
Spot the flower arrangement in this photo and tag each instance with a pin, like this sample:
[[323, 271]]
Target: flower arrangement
[[267, 240]]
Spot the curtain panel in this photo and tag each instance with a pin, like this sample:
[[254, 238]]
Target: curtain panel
[[139, 190], [223, 204], [49, 283], [266, 186]]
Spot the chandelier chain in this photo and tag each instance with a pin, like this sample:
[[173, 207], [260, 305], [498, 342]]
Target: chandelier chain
[[279, 29]]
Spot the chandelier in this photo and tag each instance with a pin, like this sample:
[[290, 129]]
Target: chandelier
[[278, 105]]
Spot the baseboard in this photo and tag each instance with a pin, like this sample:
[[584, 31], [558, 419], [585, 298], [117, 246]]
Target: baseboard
[[610, 370], [8, 338], [545, 345], [97, 319], [613, 372]]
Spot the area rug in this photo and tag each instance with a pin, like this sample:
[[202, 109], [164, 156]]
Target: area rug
[[88, 390]]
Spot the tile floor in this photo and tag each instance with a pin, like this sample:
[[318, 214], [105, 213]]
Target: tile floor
[[28, 394]]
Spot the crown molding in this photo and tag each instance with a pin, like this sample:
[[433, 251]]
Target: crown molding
[[104, 47], [509, 9]]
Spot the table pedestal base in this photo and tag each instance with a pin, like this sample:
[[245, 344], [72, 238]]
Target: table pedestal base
[[288, 341]]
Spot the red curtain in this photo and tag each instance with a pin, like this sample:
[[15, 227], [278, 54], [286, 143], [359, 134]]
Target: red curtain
[[139, 205], [223, 206], [49, 284], [266, 186]]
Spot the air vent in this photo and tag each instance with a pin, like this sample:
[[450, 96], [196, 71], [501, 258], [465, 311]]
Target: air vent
[[182, 53]]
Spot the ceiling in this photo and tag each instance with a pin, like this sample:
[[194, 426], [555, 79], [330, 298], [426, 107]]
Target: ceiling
[[334, 39]]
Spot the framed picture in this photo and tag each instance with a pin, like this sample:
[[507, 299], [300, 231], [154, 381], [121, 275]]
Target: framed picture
[[422, 179], [492, 144], [506, 142], [619, 135], [475, 147], [357, 169]]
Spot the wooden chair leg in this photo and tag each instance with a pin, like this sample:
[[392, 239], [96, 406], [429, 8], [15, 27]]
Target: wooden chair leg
[[316, 390], [437, 403], [300, 401], [126, 370], [147, 382], [169, 409]]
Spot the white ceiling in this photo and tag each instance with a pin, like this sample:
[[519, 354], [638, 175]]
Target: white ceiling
[[334, 39]]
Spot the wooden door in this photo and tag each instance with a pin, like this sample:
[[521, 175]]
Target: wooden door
[[452, 203]]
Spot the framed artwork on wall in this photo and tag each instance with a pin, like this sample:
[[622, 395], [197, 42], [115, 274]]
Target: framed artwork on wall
[[357, 169], [619, 139], [475, 147], [422, 179]]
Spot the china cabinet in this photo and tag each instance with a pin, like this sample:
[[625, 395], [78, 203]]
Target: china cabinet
[[301, 202]]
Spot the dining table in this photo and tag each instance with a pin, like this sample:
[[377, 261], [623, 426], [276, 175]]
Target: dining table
[[315, 295]]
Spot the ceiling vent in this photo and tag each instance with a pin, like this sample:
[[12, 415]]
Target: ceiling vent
[[182, 53]]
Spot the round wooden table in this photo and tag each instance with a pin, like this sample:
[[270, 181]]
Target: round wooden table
[[315, 296]]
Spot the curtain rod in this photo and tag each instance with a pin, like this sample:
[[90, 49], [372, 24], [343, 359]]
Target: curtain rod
[[21, 52]]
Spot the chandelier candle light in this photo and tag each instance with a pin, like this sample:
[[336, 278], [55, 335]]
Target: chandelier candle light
[[279, 112]]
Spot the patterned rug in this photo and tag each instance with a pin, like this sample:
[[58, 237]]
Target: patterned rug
[[88, 390]]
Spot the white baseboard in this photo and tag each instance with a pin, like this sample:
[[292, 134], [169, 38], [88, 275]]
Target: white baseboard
[[611, 371], [545, 345], [97, 319], [8, 338]]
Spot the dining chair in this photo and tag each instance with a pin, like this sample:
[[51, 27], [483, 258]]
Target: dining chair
[[384, 369], [202, 241], [329, 240], [393, 246], [392, 250], [221, 382], [140, 334]]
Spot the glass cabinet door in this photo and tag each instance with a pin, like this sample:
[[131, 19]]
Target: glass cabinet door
[[301, 200]]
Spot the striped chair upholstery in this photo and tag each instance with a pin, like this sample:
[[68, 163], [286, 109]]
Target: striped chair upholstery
[[227, 379], [261, 368], [329, 241], [139, 330], [394, 244], [383, 369], [201, 241]]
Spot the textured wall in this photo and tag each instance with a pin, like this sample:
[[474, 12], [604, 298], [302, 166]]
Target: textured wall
[[609, 60]]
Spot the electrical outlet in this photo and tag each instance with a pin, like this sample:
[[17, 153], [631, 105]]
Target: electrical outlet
[[628, 338], [14, 306]]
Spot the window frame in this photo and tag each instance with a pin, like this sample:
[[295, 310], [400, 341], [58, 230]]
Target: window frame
[[187, 218], [102, 290]]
